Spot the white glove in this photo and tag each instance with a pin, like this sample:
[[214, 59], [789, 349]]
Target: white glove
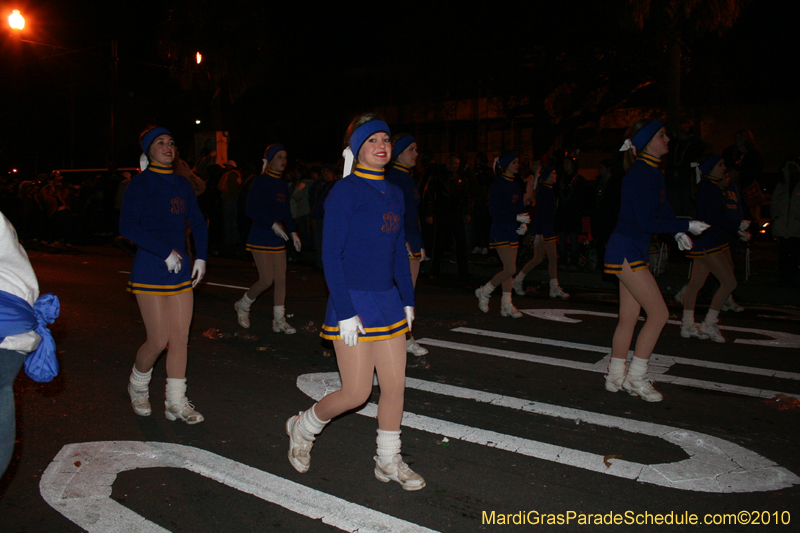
[[409, 315], [745, 236], [408, 249], [696, 227], [744, 225], [522, 229], [348, 330], [422, 255], [537, 239], [684, 242], [296, 242], [174, 262], [198, 271], [279, 231], [524, 218]]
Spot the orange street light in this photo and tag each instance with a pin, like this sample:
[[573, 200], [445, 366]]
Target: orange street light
[[199, 57], [16, 20]]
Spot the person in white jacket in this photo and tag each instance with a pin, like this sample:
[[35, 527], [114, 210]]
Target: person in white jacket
[[17, 279]]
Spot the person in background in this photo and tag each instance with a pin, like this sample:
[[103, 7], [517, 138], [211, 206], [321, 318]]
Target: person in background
[[268, 207], [644, 211], [785, 211], [371, 304], [158, 203]]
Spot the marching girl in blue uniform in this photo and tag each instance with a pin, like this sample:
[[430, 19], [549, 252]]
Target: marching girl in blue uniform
[[157, 205], [371, 304], [710, 252], [644, 211], [404, 159], [546, 239], [268, 207], [509, 221]]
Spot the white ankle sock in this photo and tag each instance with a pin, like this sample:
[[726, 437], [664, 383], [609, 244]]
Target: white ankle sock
[[141, 380], [506, 300], [388, 445], [616, 367], [176, 390], [688, 316], [711, 317], [246, 302], [638, 368], [553, 283]]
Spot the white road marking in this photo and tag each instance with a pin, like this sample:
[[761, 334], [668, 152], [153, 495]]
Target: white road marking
[[780, 339], [714, 464], [209, 283], [82, 493], [656, 372], [665, 361]]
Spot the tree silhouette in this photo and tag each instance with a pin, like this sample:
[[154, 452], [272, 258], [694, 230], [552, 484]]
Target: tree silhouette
[[677, 23]]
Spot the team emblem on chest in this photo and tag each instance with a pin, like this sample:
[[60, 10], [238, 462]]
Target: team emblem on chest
[[391, 223], [178, 206]]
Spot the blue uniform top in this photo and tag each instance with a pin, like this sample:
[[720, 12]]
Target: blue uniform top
[[155, 209], [505, 201], [363, 242], [711, 208], [644, 209], [400, 175], [268, 203], [545, 211]]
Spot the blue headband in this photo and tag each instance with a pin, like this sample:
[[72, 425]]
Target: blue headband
[[709, 164], [364, 132], [272, 151], [507, 160], [644, 135], [401, 144], [150, 136]]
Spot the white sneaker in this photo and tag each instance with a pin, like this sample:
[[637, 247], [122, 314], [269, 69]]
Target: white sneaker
[[517, 285], [558, 292], [398, 471], [690, 330], [508, 309], [614, 383], [483, 299], [140, 401], [712, 330], [680, 294], [730, 305], [299, 449], [415, 349], [183, 410], [242, 315], [642, 388], [282, 326]]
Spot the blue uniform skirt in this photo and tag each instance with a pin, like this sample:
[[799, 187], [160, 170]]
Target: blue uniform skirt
[[264, 240], [415, 242], [620, 248], [381, 314], [696, 251], [502, 236], [546, 230], [149, 275]]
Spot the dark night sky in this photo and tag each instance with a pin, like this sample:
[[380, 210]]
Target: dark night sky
[[323, 66]]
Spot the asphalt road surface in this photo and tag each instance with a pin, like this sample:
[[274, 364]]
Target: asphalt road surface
[[508, 420]]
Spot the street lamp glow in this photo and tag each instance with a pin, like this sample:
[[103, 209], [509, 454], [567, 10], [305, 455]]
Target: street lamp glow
[[16, 20], [199, 57], [197, 121]]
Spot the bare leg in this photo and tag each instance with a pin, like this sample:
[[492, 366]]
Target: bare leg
[[413, 264], [279, 276], [538, 256], [180, 308], [356, 366], [719, 265], [508, 256], [642, 287], [155, 316], [699, 275], [264, 264], [390, 363], [552, 259]]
